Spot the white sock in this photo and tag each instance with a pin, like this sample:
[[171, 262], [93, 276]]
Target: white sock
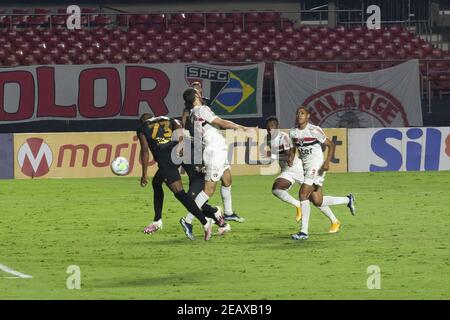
[[200, 200], [189, 218], [327, 211], [158, 223], [208, 222], [225, 192], [218, 213], [283, 195], [331, 201], [306, 210]]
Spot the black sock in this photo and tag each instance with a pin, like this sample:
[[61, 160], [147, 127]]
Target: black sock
[[208, 210], [158, 200], [190, 205]]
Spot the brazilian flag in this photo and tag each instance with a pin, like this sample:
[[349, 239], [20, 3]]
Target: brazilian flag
[[238, 95]]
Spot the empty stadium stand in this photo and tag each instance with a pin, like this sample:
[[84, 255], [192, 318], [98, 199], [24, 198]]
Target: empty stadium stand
[[40, 36]]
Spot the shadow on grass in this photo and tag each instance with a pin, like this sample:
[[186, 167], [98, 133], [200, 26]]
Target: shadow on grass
[[168, 281]]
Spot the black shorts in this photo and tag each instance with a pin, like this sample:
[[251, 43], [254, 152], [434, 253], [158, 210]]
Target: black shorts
[[167, 168], [196, 179]]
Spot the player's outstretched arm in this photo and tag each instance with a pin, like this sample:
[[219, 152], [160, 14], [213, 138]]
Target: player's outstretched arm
[[144, 154], [226, 124], [330, 155]]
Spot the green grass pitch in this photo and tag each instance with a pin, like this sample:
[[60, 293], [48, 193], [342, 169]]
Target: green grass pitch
[[402, 226]]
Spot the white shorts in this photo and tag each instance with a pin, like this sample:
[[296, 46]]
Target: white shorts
[[312, 176], [293, 174], [216, 162]]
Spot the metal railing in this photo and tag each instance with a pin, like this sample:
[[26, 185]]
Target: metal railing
[[317, 17]]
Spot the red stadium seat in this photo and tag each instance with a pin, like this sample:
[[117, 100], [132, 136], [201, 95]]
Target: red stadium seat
[[178, 18], [364, 54], [382, 53], [348, 68], [42, 11], [38, 21], [223, 56], [294, 55], [11, 60], [231, 50], [102, 21], [442, 85], [57, 21], [329, 54], [28, 60], [419, 53], [312, 55], [251, 17], [234, 17], [258, 55], [361, 42], [346, 54], [123, 20], [187, 57], [215, 17], [401, 53], [197, 18], [390, 48], [305, 31], [395, 29], [358, 31], [65, 59], [328, 67], [3, 54], [46, 59], [437, 54], [117, 58]]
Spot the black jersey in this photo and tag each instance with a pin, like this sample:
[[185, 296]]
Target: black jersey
[[158, 133]]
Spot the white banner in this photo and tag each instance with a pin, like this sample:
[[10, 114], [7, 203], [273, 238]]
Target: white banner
[[383, 98], [398, 149], [125, 91]]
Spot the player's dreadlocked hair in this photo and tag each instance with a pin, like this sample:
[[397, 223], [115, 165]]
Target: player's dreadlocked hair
[[189, 96], [145, 117]]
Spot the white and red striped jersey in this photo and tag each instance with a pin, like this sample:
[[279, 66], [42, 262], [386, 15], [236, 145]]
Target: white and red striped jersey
[[280, 145], [201, 118], [308, 142]]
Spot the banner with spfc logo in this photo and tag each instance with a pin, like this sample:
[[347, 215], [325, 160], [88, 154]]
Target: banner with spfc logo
[[382, 98], [125, 91]]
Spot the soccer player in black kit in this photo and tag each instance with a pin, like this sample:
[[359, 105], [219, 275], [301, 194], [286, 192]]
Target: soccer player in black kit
[[155, 133]]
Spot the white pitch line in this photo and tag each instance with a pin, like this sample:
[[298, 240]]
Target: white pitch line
[[14, 272]]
